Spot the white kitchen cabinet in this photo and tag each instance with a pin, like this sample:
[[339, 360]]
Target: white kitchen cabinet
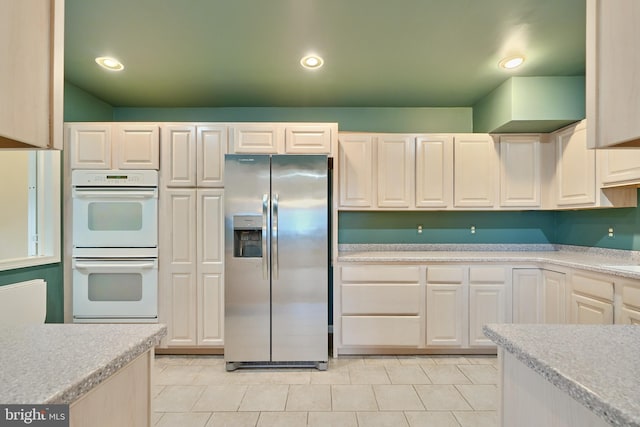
[[395, 170], [591, 298], [191, 285], [575, 167], [620, 166], [178, 155], [488, 302], [310, 139], [211, 146], [193, 155], [379, 306], [114, 145], [434, 171], [282, 138], [520, 180], [257, 138], [527, 298], [210, 266], [627, 308], [554, 297], [612, 69], [447, 305], [31, 74], [177, 289], [475, 171], [355, 169]]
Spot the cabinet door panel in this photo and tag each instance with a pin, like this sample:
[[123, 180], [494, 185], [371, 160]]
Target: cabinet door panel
[[475, 171], [355, 167], [575, 168], [520, 171], [434, 171], [178, 156], [210, 309], [90, 146], [177, 279], [526, 295], [447, 315], [308, 140], [620, 166], [212, 146], [395, 171], [554, 297], [257, 138], [629, 316], [487, 304], [585, 310], [136, 146]]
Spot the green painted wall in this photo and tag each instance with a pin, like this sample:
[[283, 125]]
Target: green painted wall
[[447, 227], [531, 104], [81, 106], [426, 120]]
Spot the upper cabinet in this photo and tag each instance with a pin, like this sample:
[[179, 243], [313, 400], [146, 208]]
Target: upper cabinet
[[31, 73], [355, 163], [395, 171], [475, 171], [193, 155], [283, 138], [520, 171], [434, 171], [612, 69], [579, 170], [113, 145]]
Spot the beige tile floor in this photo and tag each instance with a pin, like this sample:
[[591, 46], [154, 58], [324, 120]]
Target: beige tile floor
[[435, 391]]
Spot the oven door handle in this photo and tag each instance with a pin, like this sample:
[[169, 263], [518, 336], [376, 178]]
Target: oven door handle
[[124, 265], [112, 194]]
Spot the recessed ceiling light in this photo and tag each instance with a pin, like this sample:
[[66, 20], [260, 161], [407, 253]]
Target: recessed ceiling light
[[511, 62], [108, 63], [312, 62]]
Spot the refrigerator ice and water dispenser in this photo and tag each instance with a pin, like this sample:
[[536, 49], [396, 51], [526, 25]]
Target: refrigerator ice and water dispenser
[[247, 236]]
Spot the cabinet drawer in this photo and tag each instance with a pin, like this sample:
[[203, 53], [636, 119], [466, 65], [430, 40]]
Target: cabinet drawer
[[378, 273], [487, 275], [381, 330], [593, 286], [631, 294], [445, 275], [380, 299]]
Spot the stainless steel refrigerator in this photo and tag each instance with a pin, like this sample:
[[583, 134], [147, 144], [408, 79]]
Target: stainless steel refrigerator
[[276, 260]]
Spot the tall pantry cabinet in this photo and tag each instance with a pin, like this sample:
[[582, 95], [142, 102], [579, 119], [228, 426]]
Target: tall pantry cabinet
[[191, 287]]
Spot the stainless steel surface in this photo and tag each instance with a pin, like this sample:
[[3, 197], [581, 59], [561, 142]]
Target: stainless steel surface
[[283, 318]]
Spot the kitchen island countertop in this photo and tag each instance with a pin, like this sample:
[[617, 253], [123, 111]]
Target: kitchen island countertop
[[596, 365], [58, 363]]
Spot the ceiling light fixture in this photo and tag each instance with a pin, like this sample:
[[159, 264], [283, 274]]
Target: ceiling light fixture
[[110, 64], [511, 62], [312, 62]]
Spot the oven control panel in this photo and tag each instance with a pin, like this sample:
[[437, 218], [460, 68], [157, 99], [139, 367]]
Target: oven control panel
[[114, 178]]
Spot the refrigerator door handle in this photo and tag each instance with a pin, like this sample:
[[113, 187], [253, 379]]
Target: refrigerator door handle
[[274, 234], [265, 222]]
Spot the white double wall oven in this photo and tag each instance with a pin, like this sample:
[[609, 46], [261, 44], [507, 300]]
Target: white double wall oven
[[115, 246]]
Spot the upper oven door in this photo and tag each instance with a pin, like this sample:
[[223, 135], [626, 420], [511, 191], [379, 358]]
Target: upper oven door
[[115, 217]]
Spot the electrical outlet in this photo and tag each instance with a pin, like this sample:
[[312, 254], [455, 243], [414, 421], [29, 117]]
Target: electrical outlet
[[473, 229], [419, 229], [611, 235]]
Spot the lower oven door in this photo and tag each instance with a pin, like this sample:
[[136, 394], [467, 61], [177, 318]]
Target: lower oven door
[[115, 290]]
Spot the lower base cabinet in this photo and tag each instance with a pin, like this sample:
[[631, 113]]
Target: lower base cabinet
[[591, 299]]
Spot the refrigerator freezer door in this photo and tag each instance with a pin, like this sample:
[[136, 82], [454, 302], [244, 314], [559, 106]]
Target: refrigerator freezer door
[[299, 202], [247, 284]]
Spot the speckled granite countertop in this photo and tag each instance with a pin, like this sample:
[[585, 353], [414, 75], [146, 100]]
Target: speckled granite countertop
[[58, 363], [595, 364], [607, 261]]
